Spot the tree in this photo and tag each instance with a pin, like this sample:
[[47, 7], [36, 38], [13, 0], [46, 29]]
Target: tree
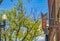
[[20, 27]]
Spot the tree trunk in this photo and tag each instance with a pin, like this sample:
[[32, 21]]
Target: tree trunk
[[51, 34], [58, 34]]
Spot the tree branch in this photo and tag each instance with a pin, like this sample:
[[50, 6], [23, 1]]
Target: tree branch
[[28, 31]]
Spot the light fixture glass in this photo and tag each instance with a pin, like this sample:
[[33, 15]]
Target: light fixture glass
[[4, 17]]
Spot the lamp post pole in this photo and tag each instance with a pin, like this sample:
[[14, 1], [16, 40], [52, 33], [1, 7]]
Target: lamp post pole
[[46, 38], [4, 28], [0, 32]]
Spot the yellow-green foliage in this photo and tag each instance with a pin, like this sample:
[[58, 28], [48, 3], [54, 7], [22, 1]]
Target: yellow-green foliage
[[17, 23]]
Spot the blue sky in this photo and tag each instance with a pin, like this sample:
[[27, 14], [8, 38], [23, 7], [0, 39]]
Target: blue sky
[[38, 5]]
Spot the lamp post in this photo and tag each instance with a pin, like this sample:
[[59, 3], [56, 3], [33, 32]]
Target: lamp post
[[4, 17]]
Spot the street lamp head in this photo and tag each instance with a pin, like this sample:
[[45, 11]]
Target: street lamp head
[[4, 17]]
